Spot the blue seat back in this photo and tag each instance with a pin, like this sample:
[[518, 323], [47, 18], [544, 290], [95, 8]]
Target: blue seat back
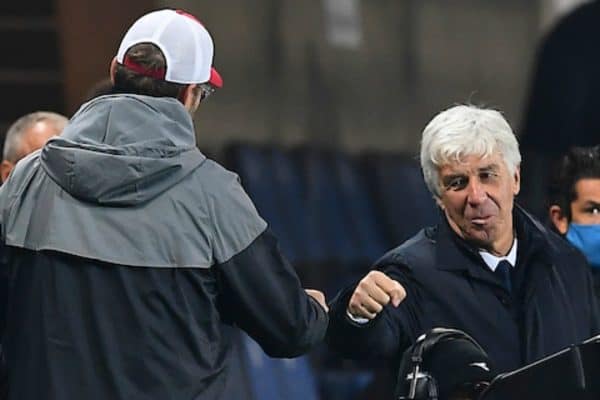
[[254, 166], [359, 209], [277, 379], [291, 195], [404, 203], [329, 224]]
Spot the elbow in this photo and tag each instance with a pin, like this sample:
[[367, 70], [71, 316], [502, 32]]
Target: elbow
[[299, 340], [294, 345]]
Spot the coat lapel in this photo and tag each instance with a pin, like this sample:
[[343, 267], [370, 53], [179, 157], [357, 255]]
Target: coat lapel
[[534, 254], [455, 255]]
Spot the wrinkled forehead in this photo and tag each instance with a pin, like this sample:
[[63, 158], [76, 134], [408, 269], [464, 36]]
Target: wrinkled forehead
[[473, 163]]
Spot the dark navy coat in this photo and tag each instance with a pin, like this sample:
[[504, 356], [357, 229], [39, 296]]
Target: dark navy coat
[[551, 306]]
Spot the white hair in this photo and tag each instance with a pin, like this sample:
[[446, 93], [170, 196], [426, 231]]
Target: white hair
[[14, 135], [463, 131]]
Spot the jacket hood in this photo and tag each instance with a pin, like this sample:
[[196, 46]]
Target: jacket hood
[[123, 150]]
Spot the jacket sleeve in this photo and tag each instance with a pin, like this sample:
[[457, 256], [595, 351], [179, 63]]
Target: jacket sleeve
[[386, 336], [262, 293], [259, 289]]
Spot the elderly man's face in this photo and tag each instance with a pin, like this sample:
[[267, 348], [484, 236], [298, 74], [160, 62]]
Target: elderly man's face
[[477, 196]]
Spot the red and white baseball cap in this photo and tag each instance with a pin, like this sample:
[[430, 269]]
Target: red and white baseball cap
[[184, 41]]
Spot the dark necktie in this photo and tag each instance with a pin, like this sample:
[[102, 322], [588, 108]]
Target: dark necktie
[[503, 272]]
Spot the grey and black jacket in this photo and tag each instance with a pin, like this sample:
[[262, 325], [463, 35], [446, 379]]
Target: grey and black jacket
[[131, 259]]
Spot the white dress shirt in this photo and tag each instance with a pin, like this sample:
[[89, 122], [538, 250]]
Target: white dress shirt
[[492, 261]]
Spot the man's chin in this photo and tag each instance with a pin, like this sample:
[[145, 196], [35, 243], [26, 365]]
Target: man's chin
[[478, 238]]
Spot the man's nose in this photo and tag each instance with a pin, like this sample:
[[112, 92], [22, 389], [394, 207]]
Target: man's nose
[[476, 192]]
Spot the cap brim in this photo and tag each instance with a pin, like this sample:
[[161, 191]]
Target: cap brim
[[215, 78]]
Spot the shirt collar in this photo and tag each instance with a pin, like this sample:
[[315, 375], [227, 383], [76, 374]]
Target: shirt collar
[[492, 261]]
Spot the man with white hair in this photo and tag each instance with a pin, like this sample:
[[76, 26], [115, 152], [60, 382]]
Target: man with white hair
[[28, 134], [488, 268]]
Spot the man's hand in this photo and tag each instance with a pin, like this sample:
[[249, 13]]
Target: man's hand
[[318, 296], [372, 293]]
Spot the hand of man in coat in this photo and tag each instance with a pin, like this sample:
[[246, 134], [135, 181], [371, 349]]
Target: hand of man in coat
[[372, 293]]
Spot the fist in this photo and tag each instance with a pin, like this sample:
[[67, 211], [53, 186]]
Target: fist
[[318, 296], [372, 293]]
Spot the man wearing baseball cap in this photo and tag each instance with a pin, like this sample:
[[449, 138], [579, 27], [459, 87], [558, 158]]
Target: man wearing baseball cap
[[132, 256]]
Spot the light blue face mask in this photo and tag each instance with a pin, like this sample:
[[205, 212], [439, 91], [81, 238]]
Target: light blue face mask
[[587, 239]]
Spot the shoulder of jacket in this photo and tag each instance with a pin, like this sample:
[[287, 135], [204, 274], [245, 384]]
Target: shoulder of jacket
[[564, 252], [418, 250], [559, 250], [213, 178]]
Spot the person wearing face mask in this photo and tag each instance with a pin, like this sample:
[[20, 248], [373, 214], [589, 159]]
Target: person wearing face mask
[[574, 203]]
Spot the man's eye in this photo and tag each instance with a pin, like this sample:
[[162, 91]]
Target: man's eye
[[594, 210], [457, 183], [487, 175]]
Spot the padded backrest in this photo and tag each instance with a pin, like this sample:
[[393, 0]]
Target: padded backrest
[[277, 379], [253, 164], [359, 209], [403, 201]]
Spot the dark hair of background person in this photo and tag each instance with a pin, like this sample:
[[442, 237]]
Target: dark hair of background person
[[578, 163], [150, 57]]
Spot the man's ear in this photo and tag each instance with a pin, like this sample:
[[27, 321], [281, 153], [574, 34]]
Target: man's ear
[[190, 97], [438, 201], [517, 183], [113, 70], [5, 168], [559, 219]]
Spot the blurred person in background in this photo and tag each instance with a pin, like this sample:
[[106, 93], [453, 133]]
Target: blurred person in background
[[488, 268], [28, 134], [561, 108], [562, 104], [574, 203], [133, 257]]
